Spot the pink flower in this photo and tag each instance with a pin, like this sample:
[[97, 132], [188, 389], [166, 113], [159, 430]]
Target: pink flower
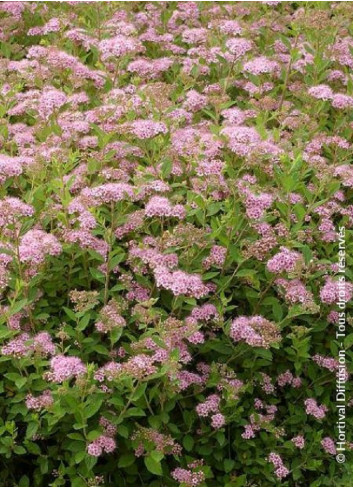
[[284, 261], [109, 192], [299, 441], [328, 445], [10, 167], [36, 244], [180, 283], [327, 362], [210, 405], [255, 331], [280, 470], [311, 407], [63, 368], [217, 421], [161, 207], [322, 92], [190, 476], [336, 290], [239, 46], [261, 65], [146, 129], [118, 46], [194, 36], [341, 101], [43, 401]]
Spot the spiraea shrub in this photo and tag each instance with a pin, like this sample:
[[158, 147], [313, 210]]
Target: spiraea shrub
[[175, 181]]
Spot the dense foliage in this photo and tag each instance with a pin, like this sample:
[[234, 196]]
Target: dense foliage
[[174, 177]]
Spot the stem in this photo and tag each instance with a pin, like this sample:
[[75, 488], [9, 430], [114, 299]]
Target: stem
[[110, 239], [286, 80]]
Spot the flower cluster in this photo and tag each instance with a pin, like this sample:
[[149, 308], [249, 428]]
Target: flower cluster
[[63, 368], [255, 331], [281, 470], [312, 407], [190, 476], [102, 444]]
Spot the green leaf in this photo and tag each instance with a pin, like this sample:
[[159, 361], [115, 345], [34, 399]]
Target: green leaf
[[116, 260], [97, 275], [188, 442], [82, 325], [228, 464], [24, 481], [17, 307], [126, 460], [70, 313], [348, 341], [166, 167], [115, 334], [92, 408], [153, 466], [139, 392]]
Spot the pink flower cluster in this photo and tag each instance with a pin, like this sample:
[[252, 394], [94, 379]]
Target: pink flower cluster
[[216, 257], [148, 438], [180, 283], [312, 407], [255, 331], [109, 192], [284, 261], [327, 362], [64, 367], [287, 378], [147, 129], [336, 290], [329, 445], [102, 444], [35, 245], [280, 470], [137, 366], [43, 401], [295, 291], [299, 441], [161, 207], [191, 476], [338, 100], [40, 344], [110, 318]]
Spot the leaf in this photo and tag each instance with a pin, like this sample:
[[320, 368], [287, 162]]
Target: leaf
[[82, 325], [70, 313], [188, 442], [135, 412], [97, 275], [123, 431], [153, 466], [18, 306], [19, 450], [126, 460], [228, 464], [166, 167], [116, 260], [139, 392], [79, 456], [348, 341], [24, 481], [221, 438], [17, 379], [115, 334]]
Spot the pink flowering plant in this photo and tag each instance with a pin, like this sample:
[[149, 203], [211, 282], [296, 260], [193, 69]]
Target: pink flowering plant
[[174, 177]]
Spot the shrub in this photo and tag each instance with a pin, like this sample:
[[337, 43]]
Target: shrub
[[175, 184]]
